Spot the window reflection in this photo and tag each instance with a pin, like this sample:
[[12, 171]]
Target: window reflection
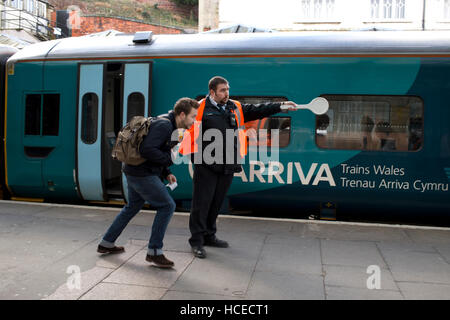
[[136, 105], [374, 123], [89, 118]]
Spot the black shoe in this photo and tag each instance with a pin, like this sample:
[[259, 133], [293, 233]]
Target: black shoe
[[199, 252], [102, 249], [214, 242], [160, 261]]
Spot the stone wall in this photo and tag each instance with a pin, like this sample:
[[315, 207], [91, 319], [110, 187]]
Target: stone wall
[[93, 24]]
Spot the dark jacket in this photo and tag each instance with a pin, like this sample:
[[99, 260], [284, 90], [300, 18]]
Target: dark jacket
[[216, 118], [156, 148]]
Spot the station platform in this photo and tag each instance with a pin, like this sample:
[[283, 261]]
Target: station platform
[[48, 251]]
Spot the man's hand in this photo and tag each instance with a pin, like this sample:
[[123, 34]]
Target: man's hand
[[171, 178], [289, 106]]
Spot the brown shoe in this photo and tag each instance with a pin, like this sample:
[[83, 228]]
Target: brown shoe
[[160, 261], [102, 249]]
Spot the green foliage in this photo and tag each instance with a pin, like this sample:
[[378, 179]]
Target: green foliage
[[146, 15], [186, 2]]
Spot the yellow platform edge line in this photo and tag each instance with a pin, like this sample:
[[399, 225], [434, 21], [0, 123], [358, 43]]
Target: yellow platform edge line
[[108, 202], [27, 199]]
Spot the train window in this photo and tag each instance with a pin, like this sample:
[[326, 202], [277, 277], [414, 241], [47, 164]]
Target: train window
[[136, 105], [259, 131], [89, 118], [373, 123], [262, 134], [33, 114], [50, 115]]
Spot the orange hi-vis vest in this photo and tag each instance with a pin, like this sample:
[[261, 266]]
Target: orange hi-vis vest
[[189, 143]]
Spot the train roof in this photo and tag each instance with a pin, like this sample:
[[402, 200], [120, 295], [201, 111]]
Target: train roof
[[244, 44], [7, 50]]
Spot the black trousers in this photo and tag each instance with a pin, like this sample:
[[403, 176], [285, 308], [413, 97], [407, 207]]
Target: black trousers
[[210, 189]]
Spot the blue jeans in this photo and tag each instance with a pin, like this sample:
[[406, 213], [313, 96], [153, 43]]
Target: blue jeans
[[141, 189]]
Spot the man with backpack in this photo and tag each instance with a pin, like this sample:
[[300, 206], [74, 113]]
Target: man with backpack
[[145, 184]]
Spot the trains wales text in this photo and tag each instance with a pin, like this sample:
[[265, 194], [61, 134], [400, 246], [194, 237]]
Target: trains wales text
[[385, 171]]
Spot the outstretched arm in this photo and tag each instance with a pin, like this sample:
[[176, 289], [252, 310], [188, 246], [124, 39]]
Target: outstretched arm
[[263, 110]]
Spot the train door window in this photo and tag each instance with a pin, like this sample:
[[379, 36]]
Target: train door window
[[89, 118], [33, 114], [50, 115], [49, 123], [373, 123], [136, 105]]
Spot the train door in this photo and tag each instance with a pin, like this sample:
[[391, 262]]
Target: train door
[[136, 97], [89, 138], [112, 123]]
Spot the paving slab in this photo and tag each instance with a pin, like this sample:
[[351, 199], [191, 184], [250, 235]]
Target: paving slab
[[355, 232], [38, 245], [47, 280], [221, 273], [356, 277], [186, 295], [433, 237], [341, 293], [445, 252], [351, 253], [406, 247], [251, 241], [292, 256], [417, 266], [87, 280], [425, 291], [57, 229], [115, 291], [285, 286], [22, 208], [78, 213], [12, 225], [252, 225], [137, 271]]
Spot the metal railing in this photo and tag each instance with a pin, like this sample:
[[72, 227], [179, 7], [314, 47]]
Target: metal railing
[[24, 20]]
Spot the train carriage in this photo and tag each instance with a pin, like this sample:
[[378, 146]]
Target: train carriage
[[383, 144], [5, 52]]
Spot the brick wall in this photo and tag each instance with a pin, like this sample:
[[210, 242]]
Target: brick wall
[[93, 24]]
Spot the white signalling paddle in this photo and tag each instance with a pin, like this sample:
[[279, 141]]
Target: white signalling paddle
[[317, 105]]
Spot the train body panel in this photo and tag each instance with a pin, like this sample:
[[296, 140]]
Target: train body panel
[[41, 164], [395, 82], [5, 53]]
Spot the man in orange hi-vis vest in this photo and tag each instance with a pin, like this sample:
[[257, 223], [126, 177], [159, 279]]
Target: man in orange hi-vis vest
[[217, 117]]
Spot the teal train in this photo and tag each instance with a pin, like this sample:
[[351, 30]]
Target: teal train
[[383, 146]]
